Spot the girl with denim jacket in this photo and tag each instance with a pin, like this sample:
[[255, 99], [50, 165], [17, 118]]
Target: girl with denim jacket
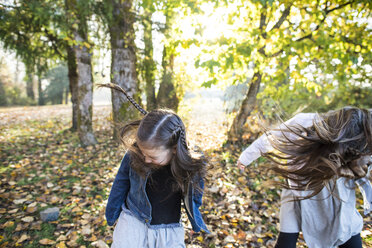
[[156, 175], [323, 157]]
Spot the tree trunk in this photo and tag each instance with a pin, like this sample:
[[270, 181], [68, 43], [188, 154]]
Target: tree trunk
[[123, 62], [149, 63], [73, 85], [67, 91], [246, 108], [59, 97], [167, 96], [84, 88], [85, 91], [3, 100], [41, 100], [30, 86]]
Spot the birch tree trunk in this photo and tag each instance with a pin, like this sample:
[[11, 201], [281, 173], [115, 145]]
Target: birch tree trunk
[[123, 62], [85, 91]]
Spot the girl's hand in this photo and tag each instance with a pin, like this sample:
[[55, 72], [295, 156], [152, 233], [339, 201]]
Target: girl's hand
[[240, 166]]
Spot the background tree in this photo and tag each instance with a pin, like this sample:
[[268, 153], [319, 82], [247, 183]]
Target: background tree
[[293, 53], [30, 85], [119, 19], [158, 19], [58, 83], [148, 67], [22, 30], [167, 95], [3, 100], [80, 11]]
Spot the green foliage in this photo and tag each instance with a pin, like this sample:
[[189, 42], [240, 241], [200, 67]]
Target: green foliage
[[14, 97], [313, 56], [28, 28]]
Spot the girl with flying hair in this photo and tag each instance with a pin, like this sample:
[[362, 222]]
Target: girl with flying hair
[[157, 173], [323, 157]]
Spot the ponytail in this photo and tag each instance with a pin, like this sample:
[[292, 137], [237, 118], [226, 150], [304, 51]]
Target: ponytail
[[132, 101]]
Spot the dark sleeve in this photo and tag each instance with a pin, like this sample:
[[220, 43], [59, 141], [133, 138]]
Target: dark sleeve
[[119, 191]]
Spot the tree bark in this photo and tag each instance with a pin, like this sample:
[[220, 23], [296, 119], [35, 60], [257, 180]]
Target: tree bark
[[123, 62], [167, 96], [85, 91], [41, 100], [73, 85], [149, 63], [246, 108], [3, 100], [67, 91], [30, 86]]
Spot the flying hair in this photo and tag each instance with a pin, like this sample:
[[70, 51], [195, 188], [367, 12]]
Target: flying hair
[[130, 99]]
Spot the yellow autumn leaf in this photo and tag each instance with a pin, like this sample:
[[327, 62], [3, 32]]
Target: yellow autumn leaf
[[86, 44], [200, 238], [61, 245]]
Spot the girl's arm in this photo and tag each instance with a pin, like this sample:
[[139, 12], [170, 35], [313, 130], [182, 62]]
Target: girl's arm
[[365, 188], [119, 191], [198, 222], [263, 145]]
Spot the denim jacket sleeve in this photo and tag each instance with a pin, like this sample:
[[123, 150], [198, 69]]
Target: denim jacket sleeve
[[198, 222], [198, 193], [119, 191]]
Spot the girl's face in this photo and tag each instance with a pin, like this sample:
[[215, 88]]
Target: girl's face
[[159, 156]]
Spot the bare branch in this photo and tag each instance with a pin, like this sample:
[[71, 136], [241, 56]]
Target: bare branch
[[339, 7], [282, 18]]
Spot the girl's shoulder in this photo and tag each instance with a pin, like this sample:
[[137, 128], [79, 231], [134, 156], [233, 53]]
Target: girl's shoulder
[[303, 119], [125, 162]]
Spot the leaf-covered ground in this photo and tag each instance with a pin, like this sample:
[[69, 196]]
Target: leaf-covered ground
[[42, 165]]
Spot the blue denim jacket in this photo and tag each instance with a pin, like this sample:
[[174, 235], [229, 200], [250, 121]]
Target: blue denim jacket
[[131, 188]]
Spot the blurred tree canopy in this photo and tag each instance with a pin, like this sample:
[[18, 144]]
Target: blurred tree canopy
[[291, 55], [57, 89]]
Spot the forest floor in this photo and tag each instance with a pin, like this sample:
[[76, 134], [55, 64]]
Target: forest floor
[[42, 165]]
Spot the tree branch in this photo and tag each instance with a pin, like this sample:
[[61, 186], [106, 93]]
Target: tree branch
[[282, 18], [8, 6], [339, 7], [54, 40], [308, 36]]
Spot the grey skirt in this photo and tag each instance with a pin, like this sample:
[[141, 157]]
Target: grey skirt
[[130, 232]]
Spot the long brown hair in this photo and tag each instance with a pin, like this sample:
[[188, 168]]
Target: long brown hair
[[334, 146], [162, 128]]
